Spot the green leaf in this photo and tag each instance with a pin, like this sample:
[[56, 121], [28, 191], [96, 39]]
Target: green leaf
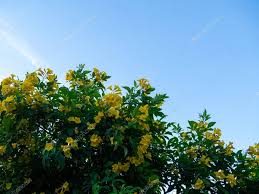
[[211, 124]]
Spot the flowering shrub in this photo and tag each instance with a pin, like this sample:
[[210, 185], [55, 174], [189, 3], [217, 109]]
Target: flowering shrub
[[84, 137], [200, 162]]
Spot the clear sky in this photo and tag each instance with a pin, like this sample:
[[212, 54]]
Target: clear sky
[[203, 54]]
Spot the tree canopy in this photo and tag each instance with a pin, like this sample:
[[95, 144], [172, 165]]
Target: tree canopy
[[86, 137]]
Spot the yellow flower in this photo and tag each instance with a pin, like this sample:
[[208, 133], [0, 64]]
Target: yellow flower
[[48, 146], [114, 113], [142, 117], [66, 150], [99, 117], [14, 145], [30, 82], [217, 132], [77, 120], [192, 152], [33, 78], [8, 186], [199, 184], [91, 126], [136, 160], [64, 188], [220, 174], [27, 181], [142, 149], [2, 149], [205, 160], [40, 98], [209, 136], [254, 150], [80, 82], [231, 180], [98, 74], [118, 168], [27, 86], [69, 75], [251, 150], [116, 89], [144, 125], [202, 124], [154, 182], [95, 140], [10, 85], [144, 111], [221, 143], [63, 108], [87, 99], [51, 78], [229, 149], [148, 156], [112, 100], [184, 135], [9, 104], [144, 84], [146, 139], [144, 143], [71, 142], [76, 130]]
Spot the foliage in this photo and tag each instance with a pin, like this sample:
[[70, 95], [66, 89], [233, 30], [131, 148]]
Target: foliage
[[200, 162], [84, 137]]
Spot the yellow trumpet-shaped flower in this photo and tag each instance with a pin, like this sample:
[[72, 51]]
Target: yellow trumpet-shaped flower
[[95, 140], [2, 149], [64, 188], [119, 167], [66, 150], [136, 160], [71, 142], [199, 184], [220, 174], [9, 104], [231, 179], [205, 160], [69, 75], [91, 126], [112, 100], [10, 85], [14, 145], [144, 84], [77, 120], [48, 146], [99, 117], [229, 149], [113, 112], [97, 74], [63, 108], [144, 111]]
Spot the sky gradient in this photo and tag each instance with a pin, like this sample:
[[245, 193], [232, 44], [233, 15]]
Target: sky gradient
[[203, 54]]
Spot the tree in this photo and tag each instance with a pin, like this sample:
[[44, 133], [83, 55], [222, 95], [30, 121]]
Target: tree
[[84, 137]]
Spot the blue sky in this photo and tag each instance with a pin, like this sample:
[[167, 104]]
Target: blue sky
[[203, 54]]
